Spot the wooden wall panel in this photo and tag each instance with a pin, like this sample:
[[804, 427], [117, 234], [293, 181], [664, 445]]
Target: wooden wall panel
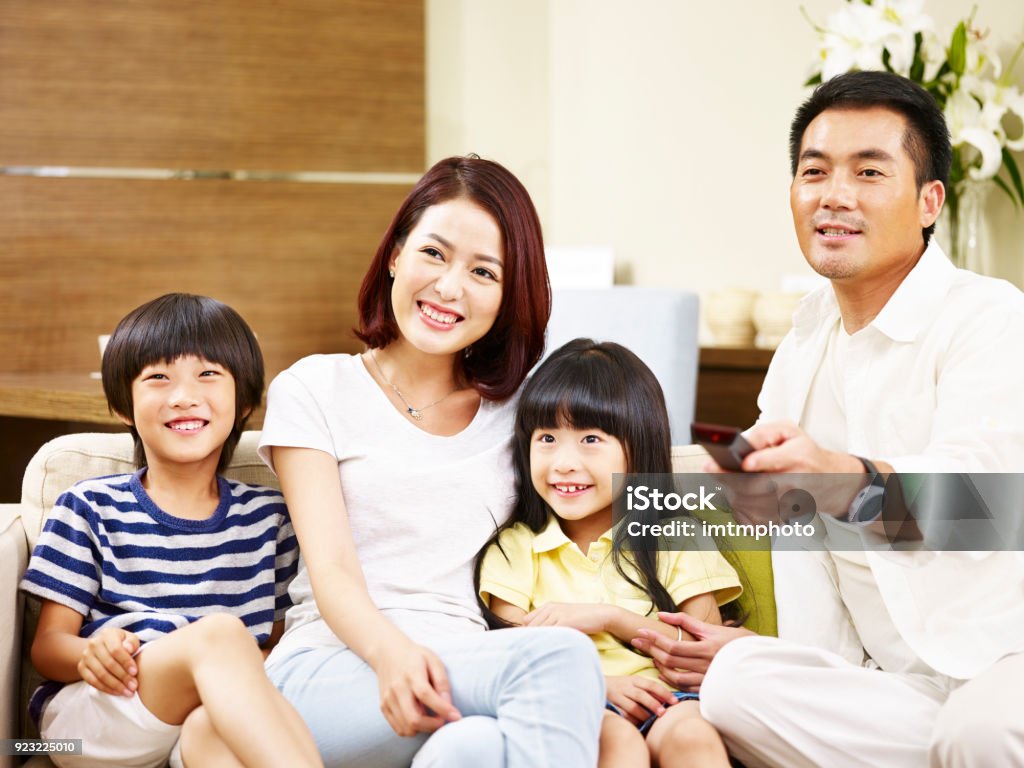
[[324, 85], [77, 254]]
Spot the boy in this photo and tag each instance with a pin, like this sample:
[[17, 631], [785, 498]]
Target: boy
[[154, 585]]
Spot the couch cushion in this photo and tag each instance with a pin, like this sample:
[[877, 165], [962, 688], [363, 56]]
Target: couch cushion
[[754, 566], [65, 460]]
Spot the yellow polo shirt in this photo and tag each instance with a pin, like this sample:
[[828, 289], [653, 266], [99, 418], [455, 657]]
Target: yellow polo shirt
[[548, 567]]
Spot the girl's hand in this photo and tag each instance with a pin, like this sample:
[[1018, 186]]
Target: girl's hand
[[107, 664], [414, 693], [589, 618], [638, 697]]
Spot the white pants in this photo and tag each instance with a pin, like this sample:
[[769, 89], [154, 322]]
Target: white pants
[[781, 704]]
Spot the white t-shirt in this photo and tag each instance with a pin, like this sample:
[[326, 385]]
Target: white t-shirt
[[825, 418], [420, 506]]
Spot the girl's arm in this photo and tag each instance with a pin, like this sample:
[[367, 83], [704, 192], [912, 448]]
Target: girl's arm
[[104, 660], [505, 610], [411, 678], [703, 607], [622, 623]]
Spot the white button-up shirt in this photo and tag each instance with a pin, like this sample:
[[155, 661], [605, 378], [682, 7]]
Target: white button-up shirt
[[938, 383]]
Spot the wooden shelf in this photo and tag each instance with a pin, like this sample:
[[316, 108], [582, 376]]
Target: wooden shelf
[[728, 382], [74, 397]]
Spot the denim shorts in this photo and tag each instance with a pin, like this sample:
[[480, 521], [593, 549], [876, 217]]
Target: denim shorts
[[645, 726]]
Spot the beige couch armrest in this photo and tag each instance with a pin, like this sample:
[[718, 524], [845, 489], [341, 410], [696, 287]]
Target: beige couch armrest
[[689, 458], [13, 560]]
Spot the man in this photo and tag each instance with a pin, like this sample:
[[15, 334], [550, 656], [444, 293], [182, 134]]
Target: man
[[902, 364]]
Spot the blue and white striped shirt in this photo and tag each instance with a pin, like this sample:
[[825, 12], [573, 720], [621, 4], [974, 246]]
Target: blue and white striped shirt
[[110, 553]]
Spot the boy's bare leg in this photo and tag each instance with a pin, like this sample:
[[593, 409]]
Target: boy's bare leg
[[681, 737], [622, 746], [215, 662], [202, 746]]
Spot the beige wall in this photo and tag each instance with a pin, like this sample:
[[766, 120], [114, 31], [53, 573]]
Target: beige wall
[[659, 127]]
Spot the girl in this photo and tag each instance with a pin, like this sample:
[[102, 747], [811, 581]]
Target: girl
[[590, 411], [395, 465]]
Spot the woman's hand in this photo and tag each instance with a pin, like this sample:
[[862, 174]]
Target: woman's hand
[[107, 664], [638, 697], [415, 696], [683, 663], [589, 618]]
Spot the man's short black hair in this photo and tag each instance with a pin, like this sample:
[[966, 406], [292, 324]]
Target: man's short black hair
[[174, 325], [927, 137]]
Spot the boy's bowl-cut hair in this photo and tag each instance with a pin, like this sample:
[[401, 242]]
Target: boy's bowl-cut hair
[[170, 327]]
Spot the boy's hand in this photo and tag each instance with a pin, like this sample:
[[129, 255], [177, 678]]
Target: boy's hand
[[638, 697], [589, 618], [107, 662]]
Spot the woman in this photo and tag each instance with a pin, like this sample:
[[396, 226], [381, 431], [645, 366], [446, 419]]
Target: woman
[[396, 468]]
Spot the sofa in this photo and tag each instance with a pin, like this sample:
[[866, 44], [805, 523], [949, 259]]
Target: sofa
[[69, 458]]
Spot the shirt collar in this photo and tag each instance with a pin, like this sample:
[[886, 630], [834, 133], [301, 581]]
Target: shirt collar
[[909, 310], [919, 298], [552, 536]]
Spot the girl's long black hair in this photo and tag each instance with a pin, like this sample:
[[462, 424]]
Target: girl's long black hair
[[589, 385]]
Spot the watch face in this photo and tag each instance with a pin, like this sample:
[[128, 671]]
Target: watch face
[[868, 504]]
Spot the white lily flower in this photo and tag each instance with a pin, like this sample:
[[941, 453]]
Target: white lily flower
[[1014, 101], [854, 39], [933, 52], [906, 19], [966, 126], [987, 143], [982, 54]]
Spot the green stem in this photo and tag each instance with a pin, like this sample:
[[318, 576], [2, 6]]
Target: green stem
[[1007, 77], [815, 27]]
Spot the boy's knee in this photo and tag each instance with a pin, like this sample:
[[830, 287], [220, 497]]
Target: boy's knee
[[221, 635], [221, 628], [475, 741]]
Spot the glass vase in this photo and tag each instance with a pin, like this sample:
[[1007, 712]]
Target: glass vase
[[963, 229]]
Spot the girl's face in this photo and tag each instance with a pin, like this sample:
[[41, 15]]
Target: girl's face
[[448, 277], [572, 470]]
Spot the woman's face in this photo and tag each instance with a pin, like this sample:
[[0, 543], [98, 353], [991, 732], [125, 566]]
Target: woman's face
[[448, 277]]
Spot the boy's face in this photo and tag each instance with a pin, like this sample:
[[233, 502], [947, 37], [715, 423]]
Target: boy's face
[[184, 411]]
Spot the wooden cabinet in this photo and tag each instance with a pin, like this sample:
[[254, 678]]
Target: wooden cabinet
[[728, 382]]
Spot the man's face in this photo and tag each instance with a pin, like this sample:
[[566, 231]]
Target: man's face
[[856, 207]]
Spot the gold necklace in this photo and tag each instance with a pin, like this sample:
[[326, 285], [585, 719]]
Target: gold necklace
[[416, 413]]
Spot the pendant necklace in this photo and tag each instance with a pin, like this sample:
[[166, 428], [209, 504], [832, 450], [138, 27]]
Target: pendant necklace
[[415, 413]]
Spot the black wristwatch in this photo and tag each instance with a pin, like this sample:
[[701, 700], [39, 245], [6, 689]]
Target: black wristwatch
[[867, 505]]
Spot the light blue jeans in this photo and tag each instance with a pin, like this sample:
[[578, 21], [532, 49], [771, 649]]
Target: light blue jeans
[[528, 697]]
